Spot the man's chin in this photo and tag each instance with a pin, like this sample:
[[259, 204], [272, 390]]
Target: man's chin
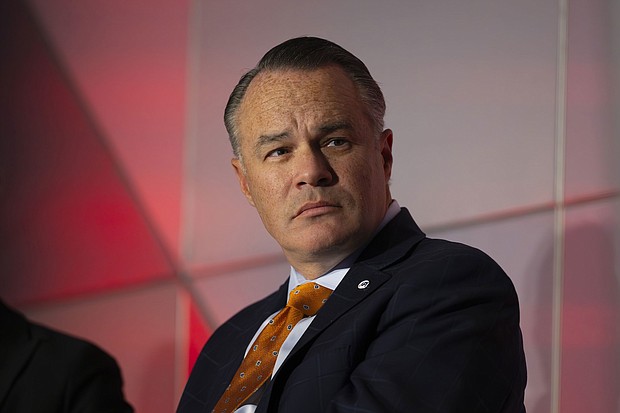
[[326, 244]]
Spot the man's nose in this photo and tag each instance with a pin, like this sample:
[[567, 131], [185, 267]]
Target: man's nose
[[314, 169]]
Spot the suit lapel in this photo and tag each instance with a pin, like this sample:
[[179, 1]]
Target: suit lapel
[[358, 284], [398, 238]]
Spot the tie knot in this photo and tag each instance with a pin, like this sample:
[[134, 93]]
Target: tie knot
[[308, 298]]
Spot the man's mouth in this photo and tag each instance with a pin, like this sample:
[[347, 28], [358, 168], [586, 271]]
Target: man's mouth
[[315, 208]]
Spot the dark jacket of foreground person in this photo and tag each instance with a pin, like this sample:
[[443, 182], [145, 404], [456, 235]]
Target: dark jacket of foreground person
[[44, 371]]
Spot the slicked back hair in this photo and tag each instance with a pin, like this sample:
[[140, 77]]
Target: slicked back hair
[[308, 53]]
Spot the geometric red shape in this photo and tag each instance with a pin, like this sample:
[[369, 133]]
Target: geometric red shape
[[69, 221]]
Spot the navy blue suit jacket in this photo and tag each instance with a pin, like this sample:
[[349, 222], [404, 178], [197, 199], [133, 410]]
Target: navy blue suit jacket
[[436, 330]]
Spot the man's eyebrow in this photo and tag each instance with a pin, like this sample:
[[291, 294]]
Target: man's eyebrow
[[268, 139], [323, 130]]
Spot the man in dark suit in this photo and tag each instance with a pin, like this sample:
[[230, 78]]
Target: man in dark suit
[[413, 324], [44, 371]]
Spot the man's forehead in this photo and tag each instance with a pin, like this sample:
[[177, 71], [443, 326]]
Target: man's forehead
[[295, 82], [280, 100]]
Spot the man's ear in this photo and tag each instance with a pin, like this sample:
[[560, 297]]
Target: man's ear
[[386, 152], [243, 182]]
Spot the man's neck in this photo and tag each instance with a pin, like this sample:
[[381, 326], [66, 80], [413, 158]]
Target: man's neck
[[313, 269]]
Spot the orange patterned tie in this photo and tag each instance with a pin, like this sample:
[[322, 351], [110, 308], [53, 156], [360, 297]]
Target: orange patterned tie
[[256, 368]]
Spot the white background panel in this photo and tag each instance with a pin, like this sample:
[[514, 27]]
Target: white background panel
[[590, 133], [523, 246], [471, 100], [137, 328]]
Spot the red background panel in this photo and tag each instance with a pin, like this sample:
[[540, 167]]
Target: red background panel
[[69, 222], [128, 59]]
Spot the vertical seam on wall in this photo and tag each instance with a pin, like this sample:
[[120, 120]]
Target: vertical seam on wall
[[195, 45], [187, 294], [192, 83], [559, 209], [181, 342]]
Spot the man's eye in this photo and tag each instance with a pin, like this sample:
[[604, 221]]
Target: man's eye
[[277, 152], [336, 142]]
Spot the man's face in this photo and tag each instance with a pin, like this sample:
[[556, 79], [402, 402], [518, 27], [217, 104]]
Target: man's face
[[311, 163]]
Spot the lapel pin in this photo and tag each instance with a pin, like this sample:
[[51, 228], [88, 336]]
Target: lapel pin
[[363, 284]]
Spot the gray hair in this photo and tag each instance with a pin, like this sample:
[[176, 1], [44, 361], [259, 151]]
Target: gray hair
[[308, 53]]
